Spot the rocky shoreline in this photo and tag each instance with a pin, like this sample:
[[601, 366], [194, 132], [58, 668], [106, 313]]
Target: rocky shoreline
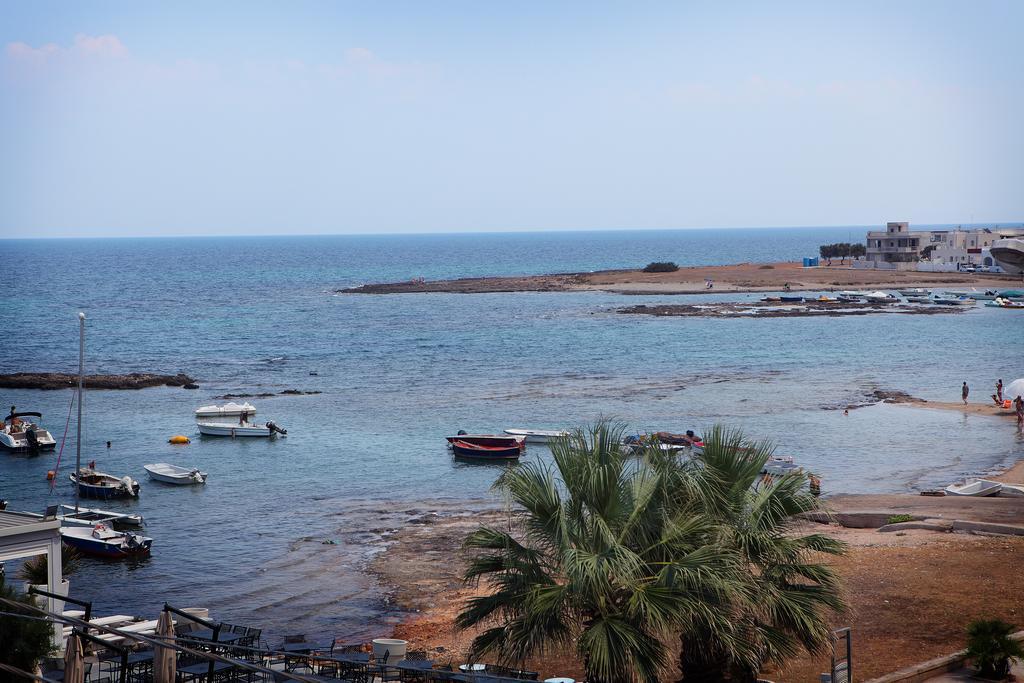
[[65, 380], [741, 277], [766, 309]]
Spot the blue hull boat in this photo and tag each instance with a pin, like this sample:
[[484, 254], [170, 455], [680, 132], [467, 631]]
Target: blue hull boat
[[93, 484], [102, 541]]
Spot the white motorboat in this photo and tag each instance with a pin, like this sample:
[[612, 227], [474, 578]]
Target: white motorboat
[[975, 487], [231, 409], [881, 298], [537, 435], [172, 474], [239, 429], [19, 434], [779, 465], [90, 517], [915, 291]]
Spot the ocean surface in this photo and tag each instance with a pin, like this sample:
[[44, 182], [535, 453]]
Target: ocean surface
[[282, 533]]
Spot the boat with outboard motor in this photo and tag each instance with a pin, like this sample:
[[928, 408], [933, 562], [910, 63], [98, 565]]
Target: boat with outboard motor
[[1000, 302], [241, 428], [954, 301], [18, 434], [881, 297], [665, 441], [914, 291], [230, 409], [101, 541], [93, 484], [172, 474]]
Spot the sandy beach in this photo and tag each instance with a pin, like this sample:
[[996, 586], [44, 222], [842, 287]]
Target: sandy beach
[[742, 277], [911, 592]]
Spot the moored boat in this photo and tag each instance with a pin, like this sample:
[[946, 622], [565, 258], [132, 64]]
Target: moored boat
[[537, 435], [499, 440], [976, 487], [102, 541], [464, 449], [18, 434], [230, 409], [954, 301], [93, 484], [239, 429], [172, 474], [1000, 302], [919, 300], [91, 516], [881, 297], [914, 291]]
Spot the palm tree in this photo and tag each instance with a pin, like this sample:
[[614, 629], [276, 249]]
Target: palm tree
[[790, 594], [611, 554]]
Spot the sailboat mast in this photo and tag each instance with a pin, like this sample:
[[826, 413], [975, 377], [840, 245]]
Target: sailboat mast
[[81, 374]]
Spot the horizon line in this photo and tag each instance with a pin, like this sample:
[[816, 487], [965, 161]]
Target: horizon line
[[992, 224]]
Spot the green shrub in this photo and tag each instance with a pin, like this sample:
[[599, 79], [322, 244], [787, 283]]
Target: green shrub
[[23, 642], [661, 267], [896, 519], [991, 649]]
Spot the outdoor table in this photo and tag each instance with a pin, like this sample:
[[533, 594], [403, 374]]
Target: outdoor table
[[226, 637], [201, 669], [294, 653], [354, 657], [414, 665], [472, 667], [559, 680]]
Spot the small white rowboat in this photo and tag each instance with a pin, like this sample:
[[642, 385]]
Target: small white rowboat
[[172, 474], [1006, 490], [976, 487], [537, 435], [227, 410]]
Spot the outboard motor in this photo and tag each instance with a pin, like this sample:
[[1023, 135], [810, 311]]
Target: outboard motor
[[130, 486], [274, 428], [33, 440]]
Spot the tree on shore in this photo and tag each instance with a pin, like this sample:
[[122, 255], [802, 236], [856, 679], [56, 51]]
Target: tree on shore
[[842, 251], [619, 556], [789, 594]]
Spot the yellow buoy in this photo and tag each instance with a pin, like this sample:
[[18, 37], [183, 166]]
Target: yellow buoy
[[179, 439]]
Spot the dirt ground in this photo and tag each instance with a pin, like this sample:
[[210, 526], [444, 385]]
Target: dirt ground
[[743, 277], [910, 594]]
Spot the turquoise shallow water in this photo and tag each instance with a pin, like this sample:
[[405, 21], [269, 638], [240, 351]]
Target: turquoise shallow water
[[397, 373]]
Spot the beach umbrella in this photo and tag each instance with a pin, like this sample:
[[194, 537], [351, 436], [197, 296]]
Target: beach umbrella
[[165, 660], [74, 664], [1014, 389]]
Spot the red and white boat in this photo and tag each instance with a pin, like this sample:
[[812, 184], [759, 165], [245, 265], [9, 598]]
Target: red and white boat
[[473, 451], [494, 440]]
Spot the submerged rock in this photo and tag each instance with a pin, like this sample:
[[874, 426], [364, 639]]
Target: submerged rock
[[65, 380]]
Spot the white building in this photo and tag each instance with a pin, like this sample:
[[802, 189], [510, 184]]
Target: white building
[[900, 248]]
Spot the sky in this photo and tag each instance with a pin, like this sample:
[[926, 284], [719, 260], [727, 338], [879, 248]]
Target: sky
[[191, 118]]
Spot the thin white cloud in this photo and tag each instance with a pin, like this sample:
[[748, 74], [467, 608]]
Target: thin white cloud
[[83, 46]]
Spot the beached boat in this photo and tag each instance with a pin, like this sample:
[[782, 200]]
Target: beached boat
[[975, 487], [987, 295], [537, 435], [231, 409], [954, 301], [172, 474], [464, 449], [881, 298], [919, 300], [823, 299], [93, 484], [915, 291], [239, 429], [18, 434], [102, 541], [499, 440], [791, 299]]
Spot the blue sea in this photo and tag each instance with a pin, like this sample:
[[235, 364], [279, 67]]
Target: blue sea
[[397, 373]]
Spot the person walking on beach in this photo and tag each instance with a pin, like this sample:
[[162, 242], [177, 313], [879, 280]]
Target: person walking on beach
[[999, 391], [964, 392]]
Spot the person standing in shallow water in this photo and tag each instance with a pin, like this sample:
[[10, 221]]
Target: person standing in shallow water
[[964, 392], [1018, 403], [999, 391]]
